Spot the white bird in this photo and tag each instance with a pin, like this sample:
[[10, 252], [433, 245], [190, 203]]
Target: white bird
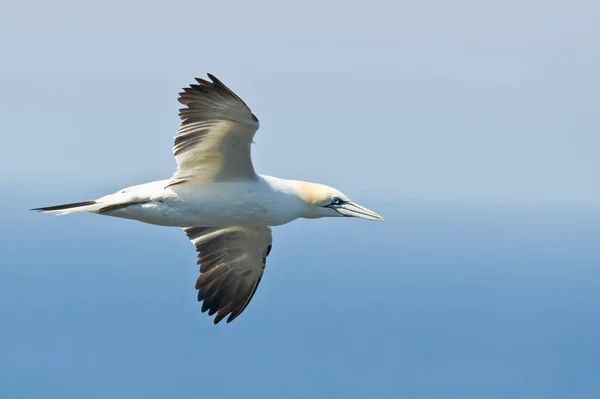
[[223, 205]]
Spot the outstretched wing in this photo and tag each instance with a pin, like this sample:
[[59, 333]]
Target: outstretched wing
[[232, 261], [213, 141]]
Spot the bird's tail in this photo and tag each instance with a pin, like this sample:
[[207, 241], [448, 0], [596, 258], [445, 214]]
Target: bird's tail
[[66, 209], [139, 194]]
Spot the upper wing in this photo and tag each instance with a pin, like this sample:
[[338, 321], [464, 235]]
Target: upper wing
[[213, 141], [232, 261]]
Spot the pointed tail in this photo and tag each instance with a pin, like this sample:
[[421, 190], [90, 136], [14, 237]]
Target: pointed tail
[[66, 209]]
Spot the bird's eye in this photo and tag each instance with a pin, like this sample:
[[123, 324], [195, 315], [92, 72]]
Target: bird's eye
[[336, 201]]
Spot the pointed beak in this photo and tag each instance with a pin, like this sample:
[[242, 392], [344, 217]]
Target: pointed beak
[[351, 209]]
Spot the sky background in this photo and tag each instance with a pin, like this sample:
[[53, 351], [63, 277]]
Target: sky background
[[471, 126]]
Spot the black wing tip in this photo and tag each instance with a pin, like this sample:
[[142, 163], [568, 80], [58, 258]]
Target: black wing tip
[[232, 317], [219, 317], [215, 84], [63, 206], [216, 81], [209, 306]]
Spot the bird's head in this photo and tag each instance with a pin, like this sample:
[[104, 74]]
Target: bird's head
[[320, 201]]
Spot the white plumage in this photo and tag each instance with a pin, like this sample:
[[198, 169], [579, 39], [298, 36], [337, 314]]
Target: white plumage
[[222, 204]]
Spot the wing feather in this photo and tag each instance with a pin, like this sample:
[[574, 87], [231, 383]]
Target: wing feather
[[232, 261], [214, 138]]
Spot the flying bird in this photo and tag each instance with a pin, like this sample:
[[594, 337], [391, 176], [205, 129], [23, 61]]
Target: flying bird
[[225, 208]]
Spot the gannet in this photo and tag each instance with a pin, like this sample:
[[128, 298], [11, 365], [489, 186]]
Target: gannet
[[225, 208]]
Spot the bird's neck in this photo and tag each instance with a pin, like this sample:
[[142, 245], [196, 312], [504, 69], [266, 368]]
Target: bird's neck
[[307, 192], [304, 197]]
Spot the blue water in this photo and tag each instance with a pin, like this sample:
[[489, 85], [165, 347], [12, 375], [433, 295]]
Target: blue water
[[440, 301]]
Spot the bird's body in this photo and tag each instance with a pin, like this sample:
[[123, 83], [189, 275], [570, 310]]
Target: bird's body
[[225, 207], [265, 201]]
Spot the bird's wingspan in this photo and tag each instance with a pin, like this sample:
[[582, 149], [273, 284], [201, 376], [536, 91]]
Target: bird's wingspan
[[213, 141], [232, 261]]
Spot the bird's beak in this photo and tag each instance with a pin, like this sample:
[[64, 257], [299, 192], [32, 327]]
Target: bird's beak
[[351, 209]]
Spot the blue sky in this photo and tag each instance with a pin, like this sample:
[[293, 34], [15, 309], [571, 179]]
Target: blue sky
[[472, 127], [470, 100]]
